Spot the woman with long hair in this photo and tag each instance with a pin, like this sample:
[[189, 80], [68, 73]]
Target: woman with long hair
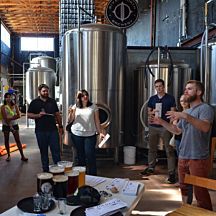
[[10, 115], [84, 130]]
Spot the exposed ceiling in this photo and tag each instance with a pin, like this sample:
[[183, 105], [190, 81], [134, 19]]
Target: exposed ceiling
[[36, 16]]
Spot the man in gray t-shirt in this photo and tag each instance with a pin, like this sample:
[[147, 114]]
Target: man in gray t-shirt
[[195, 125]]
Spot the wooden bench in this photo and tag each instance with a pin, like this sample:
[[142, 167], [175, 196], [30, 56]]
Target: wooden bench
[[200, 182], [191, 210], [212, 150]]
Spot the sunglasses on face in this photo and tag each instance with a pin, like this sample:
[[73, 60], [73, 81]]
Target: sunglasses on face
[[84, 95]]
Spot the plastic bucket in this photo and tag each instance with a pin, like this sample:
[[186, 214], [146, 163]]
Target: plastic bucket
[[129, 155]]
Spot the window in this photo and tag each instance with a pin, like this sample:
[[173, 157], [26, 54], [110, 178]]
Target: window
[[5, 36], [37, 44]]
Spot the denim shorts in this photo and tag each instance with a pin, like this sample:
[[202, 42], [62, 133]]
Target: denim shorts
[[6, 128]]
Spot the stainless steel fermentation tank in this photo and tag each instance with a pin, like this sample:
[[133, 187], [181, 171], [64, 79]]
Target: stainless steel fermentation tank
[[42, 70], [93, 59], [213, 76], [43, 61], [144, 88], [37, 76]]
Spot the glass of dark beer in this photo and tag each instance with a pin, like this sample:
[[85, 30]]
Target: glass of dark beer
[[73, 181], [60, 186], [44, 182]]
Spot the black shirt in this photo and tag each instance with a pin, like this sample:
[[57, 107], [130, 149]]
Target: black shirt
[[47, 122], [168, 101]]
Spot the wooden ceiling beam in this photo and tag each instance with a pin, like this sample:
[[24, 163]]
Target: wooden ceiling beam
[[37, 16]]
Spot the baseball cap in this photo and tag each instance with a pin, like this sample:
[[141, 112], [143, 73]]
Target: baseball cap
[[87, 196]]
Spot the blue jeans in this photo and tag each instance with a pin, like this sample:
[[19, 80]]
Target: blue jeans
[[45, 140], [85, 147]]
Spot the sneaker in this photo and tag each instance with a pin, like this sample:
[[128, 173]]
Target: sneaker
[[24, 159], [147, 171], [171, 179], [8, 159]]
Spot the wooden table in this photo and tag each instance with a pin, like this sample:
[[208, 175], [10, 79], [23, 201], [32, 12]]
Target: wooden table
[[130, 200]]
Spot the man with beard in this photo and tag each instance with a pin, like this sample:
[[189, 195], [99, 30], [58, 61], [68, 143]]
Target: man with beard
[[45, 112], [195, 125]]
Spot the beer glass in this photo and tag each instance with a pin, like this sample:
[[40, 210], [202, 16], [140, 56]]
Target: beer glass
[[82, 172], [60, 186], [73, 179], [67, 165], [56, 169], [44, 182]]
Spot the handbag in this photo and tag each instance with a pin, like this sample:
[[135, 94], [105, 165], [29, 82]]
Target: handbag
[[172, 141], [68, 127]]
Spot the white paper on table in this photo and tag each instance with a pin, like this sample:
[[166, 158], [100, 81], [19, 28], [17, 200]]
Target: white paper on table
[[119, 183], [94, 180], [106, 208], [104, 140], [131, 188]]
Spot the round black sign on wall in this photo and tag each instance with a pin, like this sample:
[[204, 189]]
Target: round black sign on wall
[[122, 13]]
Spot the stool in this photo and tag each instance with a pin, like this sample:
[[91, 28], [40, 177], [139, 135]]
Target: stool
[[212, 150]]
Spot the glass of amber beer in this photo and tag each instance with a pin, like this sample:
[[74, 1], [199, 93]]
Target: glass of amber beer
[[67, 165], [82, 173]]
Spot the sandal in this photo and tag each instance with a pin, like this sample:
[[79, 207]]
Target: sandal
[[8, 159], [24, 159]]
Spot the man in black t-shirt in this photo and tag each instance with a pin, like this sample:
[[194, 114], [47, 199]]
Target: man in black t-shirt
[[45, 112]]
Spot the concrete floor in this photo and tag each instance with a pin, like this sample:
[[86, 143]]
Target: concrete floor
[[18, 179]]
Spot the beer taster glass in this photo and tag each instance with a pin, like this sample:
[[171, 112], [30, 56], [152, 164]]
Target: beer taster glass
[[82, 173], [73, 179], [56, 169], [66, 164], [44, 182], [60, 183]]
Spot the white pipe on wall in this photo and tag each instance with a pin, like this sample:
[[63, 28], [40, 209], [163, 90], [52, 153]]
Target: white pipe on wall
[[183, 18]]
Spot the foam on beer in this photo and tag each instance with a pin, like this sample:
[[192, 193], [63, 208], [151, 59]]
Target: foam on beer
[[55, 169], [66, 164], [44, 175], [60, 178]]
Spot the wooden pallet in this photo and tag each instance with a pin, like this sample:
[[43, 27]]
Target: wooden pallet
[[13, 147]]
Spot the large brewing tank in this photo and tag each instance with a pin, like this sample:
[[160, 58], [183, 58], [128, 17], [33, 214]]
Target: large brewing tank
[[144, 88], [97, 67], [213, 76], [43, 61], [37, 76]]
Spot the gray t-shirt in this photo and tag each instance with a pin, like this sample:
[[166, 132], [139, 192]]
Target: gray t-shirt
[[195, 143]]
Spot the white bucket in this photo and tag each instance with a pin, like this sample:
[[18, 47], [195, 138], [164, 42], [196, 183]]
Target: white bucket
[[129, 155]]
